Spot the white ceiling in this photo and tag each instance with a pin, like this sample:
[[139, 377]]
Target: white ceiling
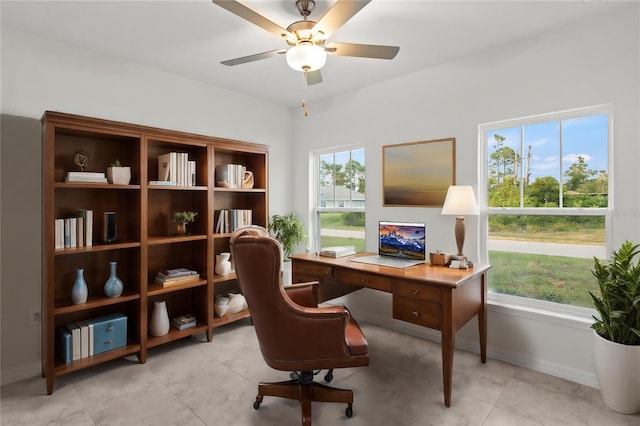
[[190, 38]]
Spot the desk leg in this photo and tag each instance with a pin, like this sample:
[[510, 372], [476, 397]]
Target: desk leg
[[448, 333], [448, 344], [482, 320]]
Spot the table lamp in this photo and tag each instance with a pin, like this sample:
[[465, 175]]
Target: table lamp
[[460, 201]]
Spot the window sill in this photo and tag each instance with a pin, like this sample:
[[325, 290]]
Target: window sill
[[540, 310]]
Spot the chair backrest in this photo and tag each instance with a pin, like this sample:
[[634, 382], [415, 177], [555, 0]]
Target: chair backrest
[[286, 332]]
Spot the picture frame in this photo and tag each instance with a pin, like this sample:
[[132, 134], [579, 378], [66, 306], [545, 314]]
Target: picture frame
[[418, 173]]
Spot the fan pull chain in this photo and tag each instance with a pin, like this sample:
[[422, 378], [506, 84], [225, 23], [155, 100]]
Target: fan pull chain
[[304, 103]]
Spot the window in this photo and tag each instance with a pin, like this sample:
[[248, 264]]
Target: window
[[340, 198], [546, 203]]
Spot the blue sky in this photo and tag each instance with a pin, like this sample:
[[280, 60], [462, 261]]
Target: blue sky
[[584, 136]]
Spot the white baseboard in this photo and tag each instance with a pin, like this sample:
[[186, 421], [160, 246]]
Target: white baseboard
[[563, 371]]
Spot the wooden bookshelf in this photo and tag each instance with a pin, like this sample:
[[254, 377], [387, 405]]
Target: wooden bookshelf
[[146, 239]]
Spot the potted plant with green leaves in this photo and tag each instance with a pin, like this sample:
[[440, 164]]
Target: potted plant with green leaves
[[182, 219], [118, 174], [289, 230], [617, 328]]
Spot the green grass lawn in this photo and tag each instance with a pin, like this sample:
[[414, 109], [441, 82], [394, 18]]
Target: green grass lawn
[[553, 278]]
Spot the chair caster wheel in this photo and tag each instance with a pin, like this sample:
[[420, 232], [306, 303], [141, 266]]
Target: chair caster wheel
[[329, 377], [257, 402], [349, 411]]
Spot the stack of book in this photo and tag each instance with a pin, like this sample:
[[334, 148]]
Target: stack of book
[[184, 321], [231, 219], [338, 251], [177, 276], [90, 177], [74, 232], [176, 167]]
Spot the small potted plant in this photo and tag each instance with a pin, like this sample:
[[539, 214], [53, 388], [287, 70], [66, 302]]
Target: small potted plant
[[118, 174], [617, 328], [289, 230], [182, 218]]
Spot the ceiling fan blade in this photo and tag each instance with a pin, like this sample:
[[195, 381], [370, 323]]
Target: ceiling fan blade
[[313, 77], [250, 15], [362, 50], [340, 12], [256, 57]]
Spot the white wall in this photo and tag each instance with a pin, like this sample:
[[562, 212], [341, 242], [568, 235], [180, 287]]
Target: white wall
[[591, 63], [40, 74]]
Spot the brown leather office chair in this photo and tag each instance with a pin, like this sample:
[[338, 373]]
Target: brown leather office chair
[[294, 334]]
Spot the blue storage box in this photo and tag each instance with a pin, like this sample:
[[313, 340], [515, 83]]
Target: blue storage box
[[109, 332], [63, 344]]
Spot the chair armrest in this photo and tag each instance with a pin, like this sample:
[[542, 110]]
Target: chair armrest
[[304, 294]]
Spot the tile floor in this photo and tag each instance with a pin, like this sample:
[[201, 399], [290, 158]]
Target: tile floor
[[192, 382]]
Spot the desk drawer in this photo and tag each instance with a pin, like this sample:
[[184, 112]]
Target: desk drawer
[[309, 269], [364, 280], [416, 291], [418, 312]]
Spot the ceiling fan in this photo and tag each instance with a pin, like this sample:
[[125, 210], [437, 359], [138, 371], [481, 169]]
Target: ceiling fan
[[306, 39]]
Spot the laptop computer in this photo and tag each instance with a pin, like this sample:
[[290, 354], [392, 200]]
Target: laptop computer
[[400, 245]]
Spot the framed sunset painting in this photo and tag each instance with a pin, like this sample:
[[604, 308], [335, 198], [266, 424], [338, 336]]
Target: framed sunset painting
[[418, 173]]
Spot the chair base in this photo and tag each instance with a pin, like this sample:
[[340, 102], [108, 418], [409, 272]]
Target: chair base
[[305, 390]]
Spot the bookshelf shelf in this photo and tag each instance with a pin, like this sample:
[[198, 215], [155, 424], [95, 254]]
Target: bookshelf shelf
[[146, 240], [65, 307], [220, 321]]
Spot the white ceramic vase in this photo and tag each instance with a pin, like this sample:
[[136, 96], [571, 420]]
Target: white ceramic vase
[[223, 264], [618, 368], [159, 323]]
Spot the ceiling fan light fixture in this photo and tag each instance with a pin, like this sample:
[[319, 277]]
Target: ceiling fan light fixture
[[306, 57]]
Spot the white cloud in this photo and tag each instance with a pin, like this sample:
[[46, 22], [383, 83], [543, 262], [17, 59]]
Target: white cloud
[[573, 158]]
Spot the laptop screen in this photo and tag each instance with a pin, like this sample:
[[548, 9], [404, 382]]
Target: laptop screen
[[402, 239]]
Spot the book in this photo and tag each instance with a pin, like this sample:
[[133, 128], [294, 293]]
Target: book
[[85, 179], [75, 341], [164, 168], [87, 218], [177, 272], [73, 232], [91, 336], [337, 251], [184, 321], [168, 282], [84, 339], [90, 175], [59, 234], [80, 231], [184, 326], [63, 344], [162, 182]]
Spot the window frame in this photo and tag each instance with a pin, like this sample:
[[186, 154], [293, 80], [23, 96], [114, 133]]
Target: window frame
[[315, 189], [519, 302]]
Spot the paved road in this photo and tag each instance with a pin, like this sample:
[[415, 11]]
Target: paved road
[[571, 250], [557, 249]]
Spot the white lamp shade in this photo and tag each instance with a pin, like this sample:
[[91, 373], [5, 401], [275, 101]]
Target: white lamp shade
[[460, 201], [306, 57]]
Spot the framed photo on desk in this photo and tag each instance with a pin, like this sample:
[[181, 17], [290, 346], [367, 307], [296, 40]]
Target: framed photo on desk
[[418, 173]]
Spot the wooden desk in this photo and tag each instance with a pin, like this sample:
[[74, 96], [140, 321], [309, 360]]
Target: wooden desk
[[436, 297]]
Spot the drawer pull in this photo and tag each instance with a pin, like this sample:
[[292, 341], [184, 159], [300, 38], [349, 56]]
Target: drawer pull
[[415, 314], [109, 329], [363, 280], [414, 291], [108, 342]]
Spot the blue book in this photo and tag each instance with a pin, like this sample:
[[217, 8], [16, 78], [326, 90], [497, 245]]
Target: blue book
[[63, 344]]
